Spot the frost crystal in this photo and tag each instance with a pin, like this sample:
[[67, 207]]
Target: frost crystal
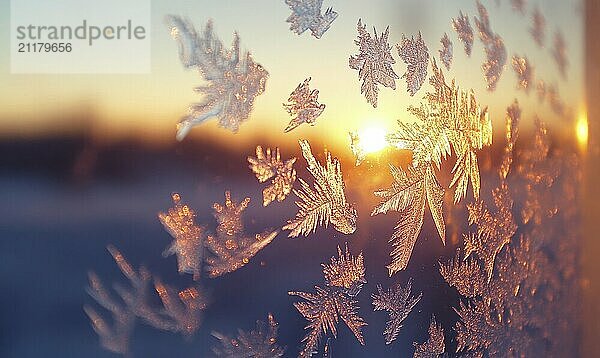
[[234, 79], [531, 294], [399, 303], [434, 347], [265, 166], [524, 71], [324, 308], [231, 247], [374, 62], [446, 52], [495, 50], [538, 27], [181, 312], [187, 244], [306, 15], [409, 194], [346, 272], [559, 52], [463, 28], [450, 119], [326, 203], [303, 106], [416, 56], [259, 343]]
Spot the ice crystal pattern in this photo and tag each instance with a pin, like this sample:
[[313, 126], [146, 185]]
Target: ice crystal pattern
[[415, 54], [524, 71], [399, 302], [463, 28], [232, 248], [324, 204], [495, 50], [538, 27], [559, 52], [449, 119], [181, 312], [446, 52], [373, 62], [434, 346], [324, 308], [188, 243], [282, 174], [259, 343], [529, 295], [233, 79], [307, 15], [303, 105]]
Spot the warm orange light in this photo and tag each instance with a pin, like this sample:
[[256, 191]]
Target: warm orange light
[[581, 131], [372, 139]]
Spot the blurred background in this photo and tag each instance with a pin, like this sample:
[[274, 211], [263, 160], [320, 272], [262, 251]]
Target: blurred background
[[89, 160]]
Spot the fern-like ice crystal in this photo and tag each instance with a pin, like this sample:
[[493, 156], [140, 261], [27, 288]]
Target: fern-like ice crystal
[[307, 15], [266, 166], [233, 79], [324, 308], [303, 105], [415, 54], [258, 343], [324, 204], [373, 62], [187, 244], [232, 248], [399, 302]]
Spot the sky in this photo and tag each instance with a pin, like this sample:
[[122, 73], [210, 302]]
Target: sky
[[150, 105]]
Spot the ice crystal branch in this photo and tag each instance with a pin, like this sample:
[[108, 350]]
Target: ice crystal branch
[[324, 204], [187, 237], [181, 312], [234, 79], [524, 71], [231, 247], [306, 15], [434, 346], [303, 105], [399, 302], [373, 63], [450, 118], [266, 166], [324, 308], [410, 192], [258, 343], [494, 49], [446, 52], [463, 28], [415, 54], [345, 272]]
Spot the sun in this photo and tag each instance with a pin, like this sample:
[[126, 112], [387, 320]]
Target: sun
[[581, 130], [372, 139]]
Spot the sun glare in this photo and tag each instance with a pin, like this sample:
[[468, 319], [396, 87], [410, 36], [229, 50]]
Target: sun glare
[[581, 131], [372, 139]]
